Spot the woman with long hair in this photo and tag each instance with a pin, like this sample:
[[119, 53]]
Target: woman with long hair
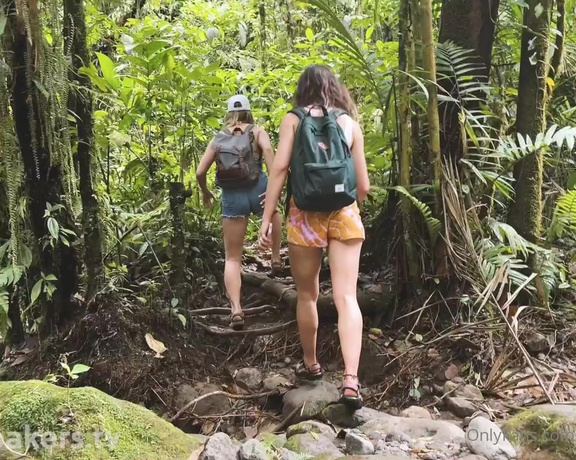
[[244, 198], [340, 232]]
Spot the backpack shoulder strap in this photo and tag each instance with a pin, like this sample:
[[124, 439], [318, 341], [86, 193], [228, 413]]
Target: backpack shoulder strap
[[248, 129], [338, 113], [299, 112]]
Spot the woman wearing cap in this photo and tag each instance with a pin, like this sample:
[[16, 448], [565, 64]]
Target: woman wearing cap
[[239, 203]]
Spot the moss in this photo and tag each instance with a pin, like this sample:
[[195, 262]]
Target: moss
[[543, 430], [43, 407], [272, 441], [293, 444]]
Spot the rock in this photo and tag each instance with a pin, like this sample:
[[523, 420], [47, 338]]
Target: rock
[[285, 454], [314, 396], [310, 426], [249, 378], [219, 447], [473, 457], [444, 436], [276, 382], [358, 444], [400, 449], [313, 445], [214, 405], [461, 407], [456, 390], [536, 342], [253, 450], [483, 437], [374, 457], [341, 415], [546, 427], [140, 433], [416, 412], [272, 441]]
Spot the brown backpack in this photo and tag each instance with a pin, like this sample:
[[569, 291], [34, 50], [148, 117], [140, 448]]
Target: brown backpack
[[236, 163]]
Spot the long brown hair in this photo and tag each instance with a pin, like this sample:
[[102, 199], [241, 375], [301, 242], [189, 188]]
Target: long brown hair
[[319, 86], [242, 116]]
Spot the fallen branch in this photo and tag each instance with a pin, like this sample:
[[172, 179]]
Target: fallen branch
[[370, 303], [288, 420], [230, 332], [229, 395], [226, 311]]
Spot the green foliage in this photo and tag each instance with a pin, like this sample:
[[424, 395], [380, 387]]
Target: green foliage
[[564, 220], [433, 224]]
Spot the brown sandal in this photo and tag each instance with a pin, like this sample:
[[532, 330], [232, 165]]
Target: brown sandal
[[277, 268], [314, 372], [353, 402], [237, 321]]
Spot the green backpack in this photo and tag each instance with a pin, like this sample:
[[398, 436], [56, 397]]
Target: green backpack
[[322, 174]]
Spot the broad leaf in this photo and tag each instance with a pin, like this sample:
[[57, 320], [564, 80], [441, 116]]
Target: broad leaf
[[53, 227], [36, 291], [80, 369]]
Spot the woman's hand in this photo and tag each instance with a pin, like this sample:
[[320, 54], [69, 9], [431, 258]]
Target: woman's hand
[[265, 237], [208, 198]]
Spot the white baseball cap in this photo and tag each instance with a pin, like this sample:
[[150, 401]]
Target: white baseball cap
[[238, 103]]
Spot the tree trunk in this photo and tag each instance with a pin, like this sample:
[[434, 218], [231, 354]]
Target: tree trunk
[[556, 66], [43, 179], [407, 63], [81, 106], [429, 66], [178, 195], [526, 210], [470, 24]]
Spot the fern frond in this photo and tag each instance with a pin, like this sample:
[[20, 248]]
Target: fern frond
[[507, 234], [433, 224], [564, 219]]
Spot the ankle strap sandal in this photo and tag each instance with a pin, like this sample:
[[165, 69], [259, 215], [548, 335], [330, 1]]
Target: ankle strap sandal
[[314, 372], [354, 401]]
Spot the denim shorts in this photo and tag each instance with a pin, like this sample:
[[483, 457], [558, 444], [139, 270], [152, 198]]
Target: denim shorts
[[241, 202]]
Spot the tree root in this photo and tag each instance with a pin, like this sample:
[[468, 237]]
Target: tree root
[[226, 311], [229, 395], [250, 332], [370, 303]]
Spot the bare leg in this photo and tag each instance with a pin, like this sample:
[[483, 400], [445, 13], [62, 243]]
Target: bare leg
[[344, 258], [276, 237], [234, 230], [305, 263]]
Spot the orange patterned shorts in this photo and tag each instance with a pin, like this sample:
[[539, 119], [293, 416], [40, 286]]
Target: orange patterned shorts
[[316, 229]]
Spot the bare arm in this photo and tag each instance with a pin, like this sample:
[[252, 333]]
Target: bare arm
[[280, 167], [362, 179], [266, 148], [204, 166]]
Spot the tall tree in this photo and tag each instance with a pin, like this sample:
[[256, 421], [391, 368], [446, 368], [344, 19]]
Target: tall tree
[[470, 24], [407, 64], [35, 121], [526, 210], [80, 103], [429, 66]]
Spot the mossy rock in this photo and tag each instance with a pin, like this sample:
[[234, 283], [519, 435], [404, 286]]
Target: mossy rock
[[136, 432], [546, 427]]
